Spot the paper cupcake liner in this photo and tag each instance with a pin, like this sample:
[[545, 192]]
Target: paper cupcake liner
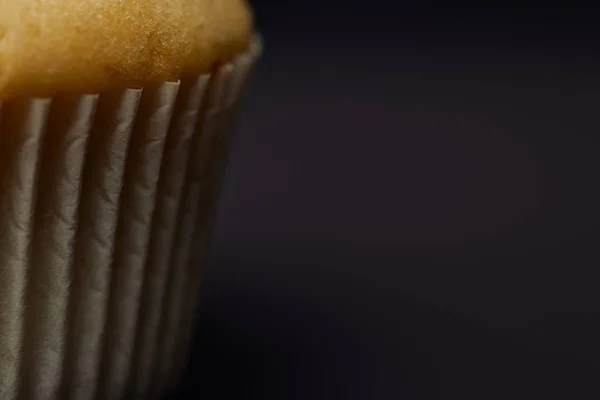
[[105, 206]]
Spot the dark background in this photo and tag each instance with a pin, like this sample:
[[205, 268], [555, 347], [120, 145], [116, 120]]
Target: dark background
[[411, 209]]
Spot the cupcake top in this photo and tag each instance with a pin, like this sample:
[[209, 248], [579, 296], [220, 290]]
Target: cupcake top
[[88, 46]]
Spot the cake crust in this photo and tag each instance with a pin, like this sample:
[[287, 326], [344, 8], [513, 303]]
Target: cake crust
[[89, 46]]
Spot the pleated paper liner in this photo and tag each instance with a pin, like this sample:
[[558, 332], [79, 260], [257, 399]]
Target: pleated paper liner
[[105, 200]]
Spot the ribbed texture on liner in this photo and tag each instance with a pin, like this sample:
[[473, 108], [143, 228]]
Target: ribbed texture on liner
[[207, 187], [102, 199]]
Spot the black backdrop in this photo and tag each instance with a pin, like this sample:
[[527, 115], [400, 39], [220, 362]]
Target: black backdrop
[[411, 209]]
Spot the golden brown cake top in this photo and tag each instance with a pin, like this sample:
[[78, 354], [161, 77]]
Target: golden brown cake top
[[50, 46]]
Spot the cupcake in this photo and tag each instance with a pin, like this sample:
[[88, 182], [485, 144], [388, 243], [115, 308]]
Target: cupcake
[[115, 118]]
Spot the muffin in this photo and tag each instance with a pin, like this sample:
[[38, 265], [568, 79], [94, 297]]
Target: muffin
[[115, 120]]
